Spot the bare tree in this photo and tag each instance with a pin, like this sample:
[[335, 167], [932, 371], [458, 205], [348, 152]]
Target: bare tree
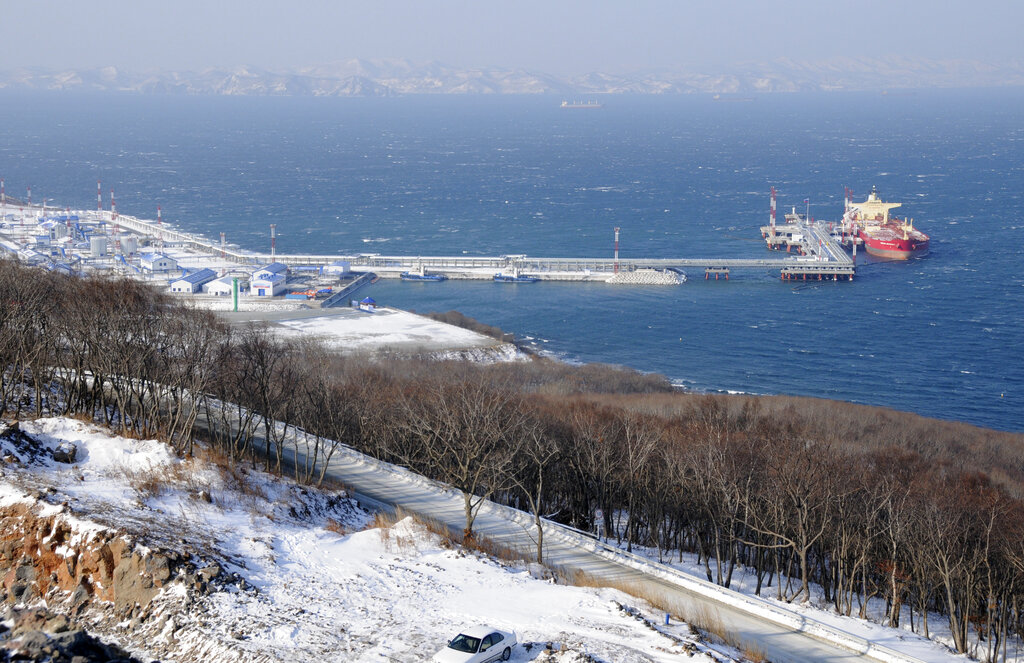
[[269, 380], [463, 430], [187, 373], [594, 460], [539, 450], [227, 416], [25, 322], [795, 504], [639, 440], [325, 413]]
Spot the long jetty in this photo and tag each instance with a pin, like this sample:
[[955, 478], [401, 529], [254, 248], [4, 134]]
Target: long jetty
[[821, 257]]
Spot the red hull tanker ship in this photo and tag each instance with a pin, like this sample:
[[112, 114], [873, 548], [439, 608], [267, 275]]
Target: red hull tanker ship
[[882, 234]]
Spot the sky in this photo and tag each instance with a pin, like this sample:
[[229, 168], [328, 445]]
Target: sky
[[562, 37]]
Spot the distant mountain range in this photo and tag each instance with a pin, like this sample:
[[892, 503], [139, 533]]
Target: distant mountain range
[[381, 78]]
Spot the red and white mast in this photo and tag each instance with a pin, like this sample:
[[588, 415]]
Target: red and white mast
[[273, 241], [99, 197], [771, 221], [113, 218], [616, 250], [159, 229]]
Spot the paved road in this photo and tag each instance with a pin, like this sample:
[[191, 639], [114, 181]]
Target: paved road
[[782, 636], [785, 637]]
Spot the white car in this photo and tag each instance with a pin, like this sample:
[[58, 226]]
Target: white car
[[479, 644]]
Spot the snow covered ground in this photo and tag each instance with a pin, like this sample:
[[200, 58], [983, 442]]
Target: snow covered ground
[[937, 648], [382, 330], [349, 330], [321, 582]]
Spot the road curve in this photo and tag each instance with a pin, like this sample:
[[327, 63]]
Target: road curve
[[781, 635]]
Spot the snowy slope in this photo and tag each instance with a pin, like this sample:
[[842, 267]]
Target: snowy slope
[[317, 580], [395, 330]]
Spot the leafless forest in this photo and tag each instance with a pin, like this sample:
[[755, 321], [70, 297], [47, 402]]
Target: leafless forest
[[866, 502]]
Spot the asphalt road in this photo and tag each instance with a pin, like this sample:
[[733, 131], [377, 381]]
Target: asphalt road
[[781, 636], [381, 485]]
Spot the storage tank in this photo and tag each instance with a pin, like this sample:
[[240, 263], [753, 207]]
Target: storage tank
[[129, 244], [97, 246]]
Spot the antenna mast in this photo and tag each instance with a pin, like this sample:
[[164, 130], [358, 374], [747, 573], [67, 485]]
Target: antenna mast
[[616, 250]]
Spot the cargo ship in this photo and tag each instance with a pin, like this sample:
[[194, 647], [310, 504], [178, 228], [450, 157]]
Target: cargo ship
[[581, 104], [882, 234]]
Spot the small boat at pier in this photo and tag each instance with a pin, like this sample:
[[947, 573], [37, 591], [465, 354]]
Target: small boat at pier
[[413, 276], [420, 274], [515, 278]]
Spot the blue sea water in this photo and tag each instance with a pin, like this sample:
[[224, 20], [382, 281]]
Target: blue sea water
[[682, 176]]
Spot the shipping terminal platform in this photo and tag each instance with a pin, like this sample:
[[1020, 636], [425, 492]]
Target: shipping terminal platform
[[813, 252]]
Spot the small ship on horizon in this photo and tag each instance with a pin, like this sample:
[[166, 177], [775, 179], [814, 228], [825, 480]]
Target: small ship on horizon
[[581, 104]]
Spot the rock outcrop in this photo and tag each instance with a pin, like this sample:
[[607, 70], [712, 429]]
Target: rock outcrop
[[77, 573], [40, 635], [43, 554]]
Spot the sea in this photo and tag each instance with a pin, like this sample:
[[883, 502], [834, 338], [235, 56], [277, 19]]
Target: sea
[[681, 176]]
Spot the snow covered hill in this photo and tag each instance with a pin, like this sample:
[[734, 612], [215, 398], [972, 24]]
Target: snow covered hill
[[263, 569], [202, 559], [385, 78]]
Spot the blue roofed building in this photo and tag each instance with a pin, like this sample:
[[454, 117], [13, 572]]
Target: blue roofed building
[[267, 286], [192, 283], [157, 262], [273, 269]]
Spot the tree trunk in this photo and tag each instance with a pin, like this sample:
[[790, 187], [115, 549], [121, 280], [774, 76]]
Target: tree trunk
[[540, 538], [467, 533]]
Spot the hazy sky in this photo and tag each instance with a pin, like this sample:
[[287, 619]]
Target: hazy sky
[[559, 37]]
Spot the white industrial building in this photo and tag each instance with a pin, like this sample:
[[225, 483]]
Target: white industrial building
[[192, 283], [273, 269], [223, 286], [339, 268], [157, 262], [267, 286]]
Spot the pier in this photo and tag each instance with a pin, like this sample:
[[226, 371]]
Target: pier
[[813, 252], [341, 297]]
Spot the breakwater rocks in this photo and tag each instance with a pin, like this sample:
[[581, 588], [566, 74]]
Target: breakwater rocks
[[647, 277]]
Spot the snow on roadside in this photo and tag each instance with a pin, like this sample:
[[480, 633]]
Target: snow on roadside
[[318, 584], [938, 649]]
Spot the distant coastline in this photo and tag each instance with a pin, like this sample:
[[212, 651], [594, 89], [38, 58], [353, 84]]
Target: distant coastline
[[387, 78]]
